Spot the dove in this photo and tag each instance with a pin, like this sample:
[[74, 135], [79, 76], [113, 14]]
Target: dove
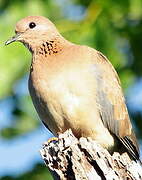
[[75, 87]]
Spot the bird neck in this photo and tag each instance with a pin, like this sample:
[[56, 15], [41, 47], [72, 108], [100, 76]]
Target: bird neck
[[51, 47]]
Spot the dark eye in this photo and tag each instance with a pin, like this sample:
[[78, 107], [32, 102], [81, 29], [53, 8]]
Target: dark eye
[[32, 25]]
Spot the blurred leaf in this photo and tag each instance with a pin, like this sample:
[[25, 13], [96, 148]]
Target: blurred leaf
[[38, 173]]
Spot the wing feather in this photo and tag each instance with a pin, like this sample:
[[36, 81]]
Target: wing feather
[[113, 110]]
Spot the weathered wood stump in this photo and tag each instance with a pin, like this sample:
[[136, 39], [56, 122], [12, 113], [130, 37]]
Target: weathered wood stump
[[84, 159]]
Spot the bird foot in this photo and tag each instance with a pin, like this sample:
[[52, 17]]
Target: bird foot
[[53, 139]]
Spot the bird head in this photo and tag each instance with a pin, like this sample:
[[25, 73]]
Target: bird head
[[32, 31]]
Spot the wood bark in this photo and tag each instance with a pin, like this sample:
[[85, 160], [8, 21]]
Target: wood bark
[[71, 159]]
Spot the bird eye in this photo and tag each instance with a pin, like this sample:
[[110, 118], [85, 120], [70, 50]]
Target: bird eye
[[32, 25]]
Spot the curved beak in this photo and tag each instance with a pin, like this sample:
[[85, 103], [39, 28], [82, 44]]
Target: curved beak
[[13, 39]]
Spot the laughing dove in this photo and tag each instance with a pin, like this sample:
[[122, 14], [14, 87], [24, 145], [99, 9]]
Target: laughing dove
[[74, 86]]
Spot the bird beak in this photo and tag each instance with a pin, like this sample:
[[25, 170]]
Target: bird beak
[[13, 39]]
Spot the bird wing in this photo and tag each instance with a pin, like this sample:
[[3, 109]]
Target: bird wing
[[111, 104]]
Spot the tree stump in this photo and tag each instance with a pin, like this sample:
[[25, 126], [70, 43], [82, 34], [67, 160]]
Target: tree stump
[[71, 159]]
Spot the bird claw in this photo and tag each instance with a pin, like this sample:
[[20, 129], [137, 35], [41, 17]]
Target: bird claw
[[53, 139]]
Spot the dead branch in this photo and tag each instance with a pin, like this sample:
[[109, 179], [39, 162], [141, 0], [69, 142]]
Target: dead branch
[[84, 159]]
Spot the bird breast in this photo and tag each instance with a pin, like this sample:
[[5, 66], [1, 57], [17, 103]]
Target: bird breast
[[61, 95], [66, 100]]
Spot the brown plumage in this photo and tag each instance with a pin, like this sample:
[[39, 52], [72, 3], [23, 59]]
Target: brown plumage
[[75, 87]]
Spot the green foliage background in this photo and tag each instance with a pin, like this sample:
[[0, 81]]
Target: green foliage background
[[113, 27]]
